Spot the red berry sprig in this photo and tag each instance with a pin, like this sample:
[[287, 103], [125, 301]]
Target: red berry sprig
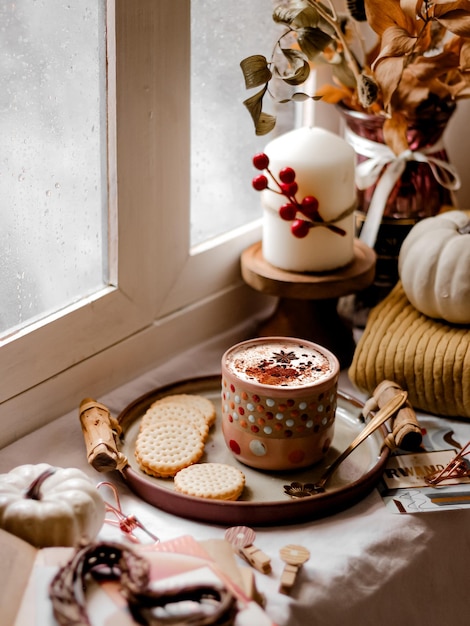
[[287, 186]]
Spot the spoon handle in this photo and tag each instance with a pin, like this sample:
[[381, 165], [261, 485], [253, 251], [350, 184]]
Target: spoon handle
[[379, 418]]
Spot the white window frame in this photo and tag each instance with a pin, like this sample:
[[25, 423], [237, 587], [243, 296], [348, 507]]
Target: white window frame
[[160, 288]]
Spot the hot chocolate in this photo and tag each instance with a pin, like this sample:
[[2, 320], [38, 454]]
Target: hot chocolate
[[281, 363], [278, 402]]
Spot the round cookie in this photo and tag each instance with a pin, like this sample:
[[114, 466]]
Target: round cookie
[[217, 481], [174, 410], [165, 447], [202, 403]]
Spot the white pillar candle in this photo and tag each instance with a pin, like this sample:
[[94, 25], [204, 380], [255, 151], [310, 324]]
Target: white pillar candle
[[324, 164]]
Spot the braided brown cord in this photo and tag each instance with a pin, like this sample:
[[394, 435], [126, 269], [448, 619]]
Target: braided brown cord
[[101, 560], [214, 605], [206, 605]]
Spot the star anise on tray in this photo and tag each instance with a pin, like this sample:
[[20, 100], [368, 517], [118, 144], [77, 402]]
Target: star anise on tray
[[300, 490]]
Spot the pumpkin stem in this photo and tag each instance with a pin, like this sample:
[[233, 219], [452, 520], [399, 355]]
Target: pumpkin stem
[[465, 230], [33, 492]]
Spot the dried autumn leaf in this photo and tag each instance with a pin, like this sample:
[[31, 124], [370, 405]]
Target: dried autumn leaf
[[296, 15], [299, 68], [396, 42], [427, 68], [263, 122], [388, 67], [464, 58], [388, 75], [410, 7], [394, 129], [298, 96], [458, 24], [453, 15], [409, 95], [388, 14], [313, 41], [255, 71]]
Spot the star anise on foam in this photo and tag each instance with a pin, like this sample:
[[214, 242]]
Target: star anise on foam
[[300, 490], [284, 357]]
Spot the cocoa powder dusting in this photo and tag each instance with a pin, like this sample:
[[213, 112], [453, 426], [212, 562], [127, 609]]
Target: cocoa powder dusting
[[281, 366], [273, 375]]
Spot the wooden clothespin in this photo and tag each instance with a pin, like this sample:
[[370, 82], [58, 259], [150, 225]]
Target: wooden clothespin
[[294, 557], [242, 538]]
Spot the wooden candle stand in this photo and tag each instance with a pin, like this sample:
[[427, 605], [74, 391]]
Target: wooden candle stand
[[308, 302]]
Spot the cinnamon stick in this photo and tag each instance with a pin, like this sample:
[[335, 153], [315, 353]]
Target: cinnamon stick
[[100, 432], [406, 430]]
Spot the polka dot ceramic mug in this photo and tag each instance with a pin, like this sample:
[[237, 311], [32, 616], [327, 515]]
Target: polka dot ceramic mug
[[278, 402]]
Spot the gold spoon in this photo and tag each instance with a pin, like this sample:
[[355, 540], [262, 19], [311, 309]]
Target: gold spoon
[[379, 418]]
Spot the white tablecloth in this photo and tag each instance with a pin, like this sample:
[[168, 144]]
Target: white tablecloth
[[368, 565]]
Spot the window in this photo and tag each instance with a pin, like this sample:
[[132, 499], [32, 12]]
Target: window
[[137, 317], [53, 182]]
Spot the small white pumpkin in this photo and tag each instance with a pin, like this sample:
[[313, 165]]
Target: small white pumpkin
[[434, 267], [50, 506]]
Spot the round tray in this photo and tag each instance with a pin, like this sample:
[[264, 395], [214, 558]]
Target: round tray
[[264, 501]]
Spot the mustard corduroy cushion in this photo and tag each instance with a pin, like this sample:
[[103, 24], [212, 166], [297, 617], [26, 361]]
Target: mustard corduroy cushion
[[428, 358]]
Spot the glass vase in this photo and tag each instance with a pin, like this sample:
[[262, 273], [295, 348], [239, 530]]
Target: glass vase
[[417, 194]]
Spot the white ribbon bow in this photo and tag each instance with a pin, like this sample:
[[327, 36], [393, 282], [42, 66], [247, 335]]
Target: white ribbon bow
[[381, 159]]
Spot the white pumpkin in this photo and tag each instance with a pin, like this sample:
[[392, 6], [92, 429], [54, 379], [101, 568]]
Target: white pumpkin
[[434, 267], [50, 506]]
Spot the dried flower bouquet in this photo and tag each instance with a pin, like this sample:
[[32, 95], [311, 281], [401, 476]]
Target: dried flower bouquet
[[420, 63]]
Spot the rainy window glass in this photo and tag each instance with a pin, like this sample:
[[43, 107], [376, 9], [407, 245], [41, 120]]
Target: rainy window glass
[[223, 139], [53, 212]]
